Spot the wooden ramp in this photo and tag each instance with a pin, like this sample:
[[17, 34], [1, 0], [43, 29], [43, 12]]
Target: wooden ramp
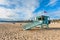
[[32, 25]]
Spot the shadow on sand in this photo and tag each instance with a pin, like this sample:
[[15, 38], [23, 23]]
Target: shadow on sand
[[44, 29]]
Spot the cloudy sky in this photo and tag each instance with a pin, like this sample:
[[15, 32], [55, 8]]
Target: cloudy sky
[[28, 9]]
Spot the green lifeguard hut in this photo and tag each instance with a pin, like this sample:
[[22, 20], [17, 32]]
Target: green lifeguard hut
[[39, 20]]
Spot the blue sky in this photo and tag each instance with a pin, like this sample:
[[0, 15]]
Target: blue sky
[[28, 9]]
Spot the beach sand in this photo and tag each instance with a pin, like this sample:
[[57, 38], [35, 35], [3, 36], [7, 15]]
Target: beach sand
[[11, 31]]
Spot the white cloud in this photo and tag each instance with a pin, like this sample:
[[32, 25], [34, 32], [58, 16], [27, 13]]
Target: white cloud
[[55, 14], [52, 2], [5, 13], [4, 2], [23, 10]]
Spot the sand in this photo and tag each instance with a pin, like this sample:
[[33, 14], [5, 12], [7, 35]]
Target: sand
[[11, 31]]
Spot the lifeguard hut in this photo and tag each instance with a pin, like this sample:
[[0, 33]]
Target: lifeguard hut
[[39, 20]]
